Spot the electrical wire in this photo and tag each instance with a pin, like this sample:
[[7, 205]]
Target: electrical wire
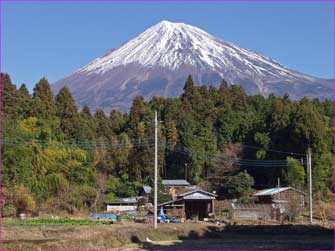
[[243, 162], [53, 143], [149, 142], [271, 150]]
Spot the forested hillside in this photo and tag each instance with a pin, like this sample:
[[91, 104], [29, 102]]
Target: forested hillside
[[55, 156]]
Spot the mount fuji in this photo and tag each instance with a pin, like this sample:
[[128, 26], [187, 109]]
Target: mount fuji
[[158, 61]]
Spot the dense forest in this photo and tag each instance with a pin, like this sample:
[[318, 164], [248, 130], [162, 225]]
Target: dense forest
[[55, 156]]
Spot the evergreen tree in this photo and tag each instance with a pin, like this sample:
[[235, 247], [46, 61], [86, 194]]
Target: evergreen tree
[[68, 113], [9, 101], [43, 100], [103, 129], [189, 88], [24, 101], [239, 185], [171, 134], [224, 93], [87, 125], [238, 97], [137, 111], [295, 174], [323, 175], [117, 122]]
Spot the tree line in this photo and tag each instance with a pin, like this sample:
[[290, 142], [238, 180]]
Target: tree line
[[55, 156]]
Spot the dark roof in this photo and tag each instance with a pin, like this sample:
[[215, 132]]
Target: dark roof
[[175, 182], [123, 201], [169, 202]]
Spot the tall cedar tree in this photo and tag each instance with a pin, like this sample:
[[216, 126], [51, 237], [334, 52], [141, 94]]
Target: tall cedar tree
[[103, 129], [43, 100], [24, 102], [9, 104], [67, 111]]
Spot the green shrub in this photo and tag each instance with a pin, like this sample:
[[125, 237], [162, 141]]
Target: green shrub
[[9, 210], [239, 185]]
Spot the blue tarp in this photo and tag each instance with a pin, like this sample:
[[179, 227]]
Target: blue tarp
[[104, 216], [162, 215], [175, 220]]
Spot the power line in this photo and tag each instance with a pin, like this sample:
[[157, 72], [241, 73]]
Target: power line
[[271, 150], [53, 143], [149, 142], [221, 159]]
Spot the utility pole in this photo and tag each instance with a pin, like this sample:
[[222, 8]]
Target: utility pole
[[155, 181], [185, 171], [279, 190], [309, 172]]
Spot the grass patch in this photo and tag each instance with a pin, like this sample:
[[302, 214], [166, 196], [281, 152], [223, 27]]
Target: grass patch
[[56, 222], [163, 236], [13, 246]]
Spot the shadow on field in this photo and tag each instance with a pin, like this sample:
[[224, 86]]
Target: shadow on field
[[250, 237]]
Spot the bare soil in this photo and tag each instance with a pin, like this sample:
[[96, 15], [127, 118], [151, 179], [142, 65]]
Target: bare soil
[[131, 236]]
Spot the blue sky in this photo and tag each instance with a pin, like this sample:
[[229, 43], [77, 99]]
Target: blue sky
[[54, 39]]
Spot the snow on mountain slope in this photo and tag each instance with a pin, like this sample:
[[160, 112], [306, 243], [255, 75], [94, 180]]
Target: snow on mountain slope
[[157, 62]]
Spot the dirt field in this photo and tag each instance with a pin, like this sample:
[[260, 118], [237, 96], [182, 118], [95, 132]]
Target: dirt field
[[129, 235]]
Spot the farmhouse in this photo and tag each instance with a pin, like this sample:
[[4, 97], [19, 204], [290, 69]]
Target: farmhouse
[[193, 205], [122, 205]]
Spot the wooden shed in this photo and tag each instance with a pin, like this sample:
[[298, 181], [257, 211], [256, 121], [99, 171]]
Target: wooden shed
[[281, 197], [122, 205], [194, 205]]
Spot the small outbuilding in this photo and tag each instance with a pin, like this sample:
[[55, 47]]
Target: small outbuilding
[[194, 205], [270, 204], [281, 197], [122, 205]]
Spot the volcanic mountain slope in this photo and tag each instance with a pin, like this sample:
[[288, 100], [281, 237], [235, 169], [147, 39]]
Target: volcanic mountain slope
[[158, 61]]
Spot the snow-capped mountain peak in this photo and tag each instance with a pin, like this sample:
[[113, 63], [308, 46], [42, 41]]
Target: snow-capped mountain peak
[[166, 44], [172, 45], [157, 62]]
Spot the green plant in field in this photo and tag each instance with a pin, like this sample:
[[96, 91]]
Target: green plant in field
[[62, 222], [8, 210]]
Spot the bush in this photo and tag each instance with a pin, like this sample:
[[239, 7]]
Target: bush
[[81, 196], [294, 208], [161, 197], [9, 210], [239, 185], [23, 200]]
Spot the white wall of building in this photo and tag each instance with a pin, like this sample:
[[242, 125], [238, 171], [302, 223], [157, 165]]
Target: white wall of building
[[121, 208]]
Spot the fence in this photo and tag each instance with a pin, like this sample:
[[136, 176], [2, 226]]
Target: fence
[[251, 211]]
